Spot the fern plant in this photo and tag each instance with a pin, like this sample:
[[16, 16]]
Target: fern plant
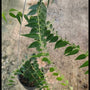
[[42, 31]]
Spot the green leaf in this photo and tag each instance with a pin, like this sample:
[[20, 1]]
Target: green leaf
[[33, 31], [48, 2], [3, 16], [63, 84], [41, 54], [47, 33], [10, 80], [35, 36], [26, 17], [18, 18], [52, 69], [60, 43], [12, 9], [20, 14], [34, 44], [82, 56], [12, 77], [32, 12], [68, 49], [86, 72], [84, 64], [10, 84], [60, 78], [55, 74], [48, 22], [75, 51], [32, 24], [66, 82], [46, 60], [34, 6], [54, 39], [49, 37], [51, 26], [12, 15]]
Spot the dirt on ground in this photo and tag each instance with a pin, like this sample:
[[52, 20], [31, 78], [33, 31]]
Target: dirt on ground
[[70, 19]]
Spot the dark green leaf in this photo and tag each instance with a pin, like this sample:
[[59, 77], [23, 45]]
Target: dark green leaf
[[33, 31], [46, 60], [32, 24], [26, 17], [35, 36], [34, 6], [47, 33], [20, 14], [75, 51], [34, 44], [68, 49], [84, 64], [11, 81], [18, 18], [49, 37], [41, 54], [48, 22], [51, 26], [82, 56], [52, 69], [32, 12], [48, 2], [86, 72], [60, 43], [12, 15], [54, 39]]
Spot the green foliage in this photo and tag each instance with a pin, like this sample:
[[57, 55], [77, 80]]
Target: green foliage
[[35, 36], [61, 43], [18, 16], [45, 59], [4, 17], [71, 50], [41, 35], [60, 78], [55, 74], [12, 15], [34, 44], [54, 39], [84, 64], [41, 54], [32, 12], [82, 56], [12, 9], [51, 69], [87, 72]]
